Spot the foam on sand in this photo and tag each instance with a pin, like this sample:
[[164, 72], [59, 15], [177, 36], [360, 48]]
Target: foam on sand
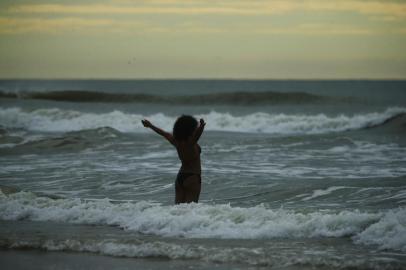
[[275, 256]]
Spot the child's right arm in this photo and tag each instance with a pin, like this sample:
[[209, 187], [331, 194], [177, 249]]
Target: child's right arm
[[161, 132]]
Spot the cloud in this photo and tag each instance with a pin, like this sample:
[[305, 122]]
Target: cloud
[[67, 24], [316, 29], [401, 31], [81, 25], [397, 9], [111, 9], [364, 7], [95, 18], [385, 18]]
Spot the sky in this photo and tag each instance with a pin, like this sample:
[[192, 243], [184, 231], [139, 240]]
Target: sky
[[224, 39]]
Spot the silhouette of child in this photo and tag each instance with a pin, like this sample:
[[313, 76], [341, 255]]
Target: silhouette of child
[[186, 133]]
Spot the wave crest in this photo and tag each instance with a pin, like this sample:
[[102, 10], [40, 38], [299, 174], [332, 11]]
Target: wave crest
[[59, 120], [208, 221]]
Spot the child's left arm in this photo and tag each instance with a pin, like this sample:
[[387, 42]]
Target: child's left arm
[[199, 130], [161, 132]]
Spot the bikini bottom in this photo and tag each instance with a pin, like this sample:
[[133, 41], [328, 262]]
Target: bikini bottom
[[182, 176]]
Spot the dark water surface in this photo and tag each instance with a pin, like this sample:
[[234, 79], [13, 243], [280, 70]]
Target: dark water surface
[[295, 173]]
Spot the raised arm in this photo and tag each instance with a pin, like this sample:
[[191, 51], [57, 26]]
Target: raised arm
[[199, 130], [161, 132]]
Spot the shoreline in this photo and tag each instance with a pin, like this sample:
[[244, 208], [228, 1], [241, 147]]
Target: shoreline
[[16, 259]]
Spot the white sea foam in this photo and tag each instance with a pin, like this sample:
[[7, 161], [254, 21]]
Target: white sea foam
[[58, 120], [322, 192], [216, 254], [388, 233], [151, 249], [210, 221]]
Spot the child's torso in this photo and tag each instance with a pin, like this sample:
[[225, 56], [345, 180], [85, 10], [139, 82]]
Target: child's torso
[[189, 155]]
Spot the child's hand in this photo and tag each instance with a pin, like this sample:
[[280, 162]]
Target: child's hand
[[146, 123], [202, 123]]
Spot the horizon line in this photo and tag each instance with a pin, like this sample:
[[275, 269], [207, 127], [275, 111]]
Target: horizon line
[[197, 79]]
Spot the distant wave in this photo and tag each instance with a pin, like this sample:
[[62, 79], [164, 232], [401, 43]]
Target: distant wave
[[236, 98], [383, 229], [70, 141], [59, 120]]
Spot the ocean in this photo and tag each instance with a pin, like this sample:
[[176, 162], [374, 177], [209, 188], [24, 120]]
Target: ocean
[[295, 174]]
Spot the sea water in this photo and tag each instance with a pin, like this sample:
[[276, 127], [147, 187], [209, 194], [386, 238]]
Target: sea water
[[308, 174]]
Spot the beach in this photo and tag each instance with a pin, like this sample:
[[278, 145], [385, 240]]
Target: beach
[[295, 175]]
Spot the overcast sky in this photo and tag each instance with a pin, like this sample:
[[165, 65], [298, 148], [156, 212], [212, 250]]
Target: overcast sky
[[320, 39]]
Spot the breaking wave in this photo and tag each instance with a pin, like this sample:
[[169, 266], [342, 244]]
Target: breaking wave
[[59, 120], [386, 230]]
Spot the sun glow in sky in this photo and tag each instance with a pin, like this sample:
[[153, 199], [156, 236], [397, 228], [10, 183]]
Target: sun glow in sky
[[281, 39]]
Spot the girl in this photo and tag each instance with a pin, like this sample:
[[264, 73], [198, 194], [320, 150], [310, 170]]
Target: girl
[[186, 133]]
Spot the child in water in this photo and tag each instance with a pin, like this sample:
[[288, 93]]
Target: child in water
[[186, 133]]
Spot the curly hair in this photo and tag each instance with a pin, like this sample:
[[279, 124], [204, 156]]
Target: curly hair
[[184, 127]]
